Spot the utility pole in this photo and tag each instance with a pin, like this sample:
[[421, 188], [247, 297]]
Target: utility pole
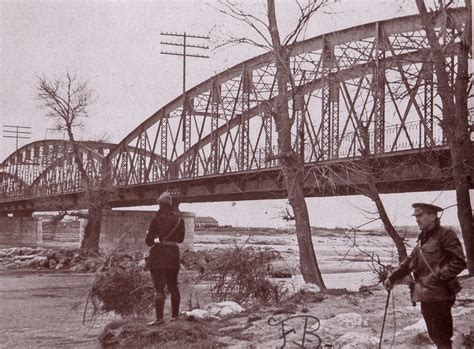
[[184, 44], [186, 121], [17, 132]]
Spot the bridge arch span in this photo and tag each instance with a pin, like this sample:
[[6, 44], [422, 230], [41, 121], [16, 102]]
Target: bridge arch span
[[30, 163], [375, 73]]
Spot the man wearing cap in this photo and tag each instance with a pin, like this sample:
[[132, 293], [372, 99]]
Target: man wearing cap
[[166, 230], [435, 261]]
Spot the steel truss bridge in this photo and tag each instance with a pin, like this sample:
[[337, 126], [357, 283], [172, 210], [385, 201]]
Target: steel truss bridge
[[217, 141]]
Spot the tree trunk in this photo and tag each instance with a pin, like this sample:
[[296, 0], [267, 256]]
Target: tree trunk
[[389, 228], [455, 124], [292, 166], [90, 241], [308, 261], [463, 200], [373, 193]]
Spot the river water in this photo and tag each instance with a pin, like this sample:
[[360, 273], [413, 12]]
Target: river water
[[37, 310]]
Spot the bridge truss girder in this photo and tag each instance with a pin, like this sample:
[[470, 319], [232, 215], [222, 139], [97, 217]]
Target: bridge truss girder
[[374, 75]]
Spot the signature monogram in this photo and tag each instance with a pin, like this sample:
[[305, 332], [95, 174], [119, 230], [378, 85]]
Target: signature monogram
[[299, 329]]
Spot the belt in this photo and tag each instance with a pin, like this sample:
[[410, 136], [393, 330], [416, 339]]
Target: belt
[[168, 243]]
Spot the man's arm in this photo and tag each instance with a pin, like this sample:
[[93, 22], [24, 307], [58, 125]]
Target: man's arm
[[402, 271], [455, 261], [180, 231], [152, 232], [399, 273]]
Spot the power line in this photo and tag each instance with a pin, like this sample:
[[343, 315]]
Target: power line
[[185, 45], [17, 132]]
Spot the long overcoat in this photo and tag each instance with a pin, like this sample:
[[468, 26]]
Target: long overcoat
[[443, 251]]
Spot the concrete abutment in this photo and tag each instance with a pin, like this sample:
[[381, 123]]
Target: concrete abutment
[[119, 229]]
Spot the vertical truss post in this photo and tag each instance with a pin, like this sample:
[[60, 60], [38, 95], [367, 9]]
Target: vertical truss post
[[54, 157], [244, 124], [428, 101], [379, 90], [90, 168], [164, 145], [142, 157], [214, 156], [328, 62], [123, 166], [299, 120], [334, 98], [267, 119], [186, 135]]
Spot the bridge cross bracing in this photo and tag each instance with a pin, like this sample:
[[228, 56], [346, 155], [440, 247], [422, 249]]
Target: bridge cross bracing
[[375, 75]]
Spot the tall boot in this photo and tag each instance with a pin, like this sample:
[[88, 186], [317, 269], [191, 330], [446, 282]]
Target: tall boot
[[159, 308], [175, 301]]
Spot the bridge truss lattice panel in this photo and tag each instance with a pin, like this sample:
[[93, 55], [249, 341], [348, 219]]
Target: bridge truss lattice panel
[[48, 167], [376, 77]]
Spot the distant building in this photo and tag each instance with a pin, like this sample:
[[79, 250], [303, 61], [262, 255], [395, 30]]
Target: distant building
[[205, 222]]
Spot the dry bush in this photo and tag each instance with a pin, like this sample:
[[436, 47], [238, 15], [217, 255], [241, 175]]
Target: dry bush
[[120, 286], [242, 274], [136, 334]]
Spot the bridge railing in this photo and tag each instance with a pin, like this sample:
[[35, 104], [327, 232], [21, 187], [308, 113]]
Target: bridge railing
[[410, 136]]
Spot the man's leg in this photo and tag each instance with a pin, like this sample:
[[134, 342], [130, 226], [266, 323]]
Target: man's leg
[[172, 282], [439, 322], [159, 282]]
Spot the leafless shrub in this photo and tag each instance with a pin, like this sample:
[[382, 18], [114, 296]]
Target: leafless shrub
[[242, 274], [120, 286], [380, 269]]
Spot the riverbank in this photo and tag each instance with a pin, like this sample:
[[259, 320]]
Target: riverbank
[[44, 308]]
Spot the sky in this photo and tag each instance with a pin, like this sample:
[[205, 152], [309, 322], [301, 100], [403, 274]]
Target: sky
[[115, 46]]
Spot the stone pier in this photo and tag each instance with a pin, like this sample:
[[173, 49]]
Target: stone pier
[[124, 229], [20, 230], [127, 229]]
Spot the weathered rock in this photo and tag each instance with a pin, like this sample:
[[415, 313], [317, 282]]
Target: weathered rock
[[223, 308], [52, 263], [25, 251], [81, 268], [19, 265], [309, 288], [198, 314], [355, 340], [417, 327], [90, 264], [348, 320], [40, 261], [24, 258]]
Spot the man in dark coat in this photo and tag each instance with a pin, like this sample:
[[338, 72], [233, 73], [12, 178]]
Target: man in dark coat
[[435, 261], [165, 232]]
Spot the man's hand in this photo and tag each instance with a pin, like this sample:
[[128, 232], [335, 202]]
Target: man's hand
[[388, 284]]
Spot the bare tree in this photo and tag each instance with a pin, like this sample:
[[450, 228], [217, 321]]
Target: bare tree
[[371, 191], [453, 89], [268, 37], [66, 101]]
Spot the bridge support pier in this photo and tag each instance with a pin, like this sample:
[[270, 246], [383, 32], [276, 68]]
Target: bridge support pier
[[25, 213], [19, 230], [127, 229]]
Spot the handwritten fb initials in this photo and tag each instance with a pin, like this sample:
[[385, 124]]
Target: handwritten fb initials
[[301, 329]]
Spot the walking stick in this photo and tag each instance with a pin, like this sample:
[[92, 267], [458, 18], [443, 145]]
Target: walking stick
[[384, 317]]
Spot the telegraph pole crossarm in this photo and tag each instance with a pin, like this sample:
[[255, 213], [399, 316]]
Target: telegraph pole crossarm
[[17, 132], [185, 45]]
